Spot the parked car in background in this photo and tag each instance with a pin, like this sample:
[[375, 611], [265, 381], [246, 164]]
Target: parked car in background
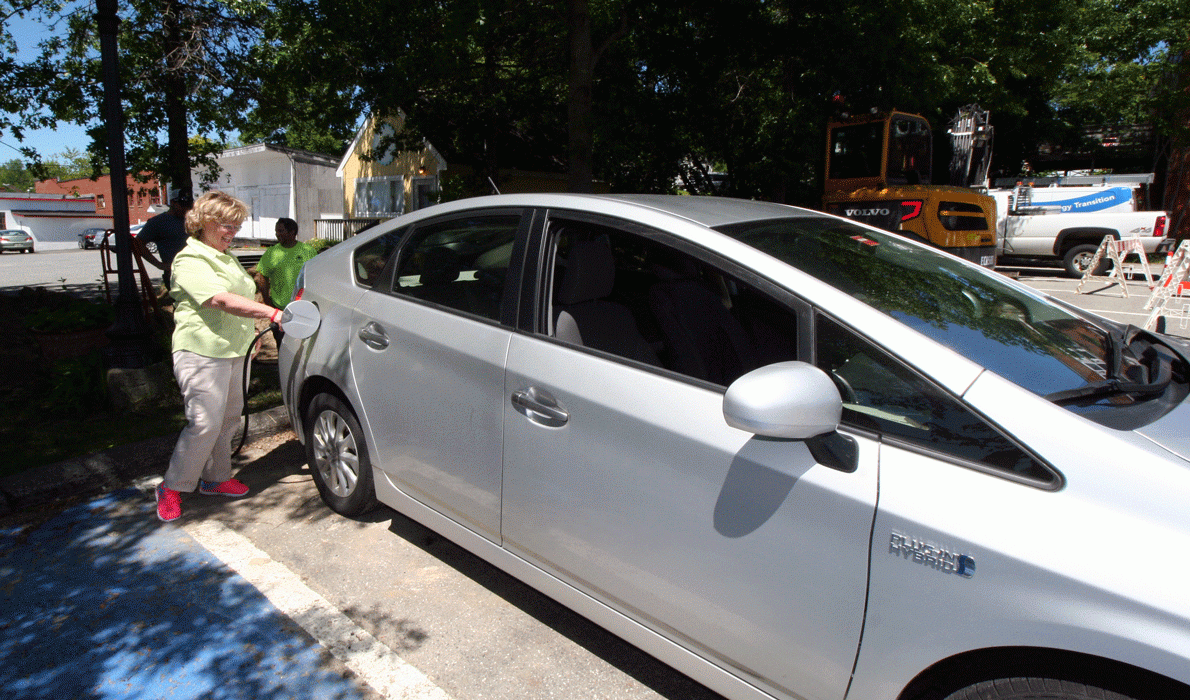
[[91, 238], [133, 231], [15, 240], [745, 437]]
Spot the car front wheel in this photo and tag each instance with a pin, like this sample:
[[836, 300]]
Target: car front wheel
[[1034, 689], [338, 456], [1078, 259]]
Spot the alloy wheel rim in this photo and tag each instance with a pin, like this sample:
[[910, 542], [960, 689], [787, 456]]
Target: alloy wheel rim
[[336, 455]]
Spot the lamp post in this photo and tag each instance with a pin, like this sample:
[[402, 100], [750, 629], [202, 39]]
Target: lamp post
[[129, 333]]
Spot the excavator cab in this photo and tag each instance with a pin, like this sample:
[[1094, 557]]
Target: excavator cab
[[879, 171]]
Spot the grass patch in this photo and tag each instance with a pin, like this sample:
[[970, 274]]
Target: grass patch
[[37, 426], [60, 410]]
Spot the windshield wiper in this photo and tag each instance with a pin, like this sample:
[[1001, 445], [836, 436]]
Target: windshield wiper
[[1158, 363]]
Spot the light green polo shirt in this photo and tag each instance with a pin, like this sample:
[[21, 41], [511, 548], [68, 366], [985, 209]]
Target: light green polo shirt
[[200, 272]]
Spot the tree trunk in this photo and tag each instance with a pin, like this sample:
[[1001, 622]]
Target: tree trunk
[[580, 150], [177, 166]]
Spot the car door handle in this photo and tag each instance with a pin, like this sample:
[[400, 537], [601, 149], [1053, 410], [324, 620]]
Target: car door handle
[[374, 336], [539, 407]]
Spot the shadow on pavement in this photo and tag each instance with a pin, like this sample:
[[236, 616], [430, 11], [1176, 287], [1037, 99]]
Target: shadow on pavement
[[611, 649], [103, 600]]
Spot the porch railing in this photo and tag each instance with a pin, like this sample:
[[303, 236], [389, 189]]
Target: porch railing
[[341, 229]]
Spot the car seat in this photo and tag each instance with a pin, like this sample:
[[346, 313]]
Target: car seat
[[584, 315]]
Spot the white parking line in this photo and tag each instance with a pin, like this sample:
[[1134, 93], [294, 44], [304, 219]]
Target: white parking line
[[368, 657]]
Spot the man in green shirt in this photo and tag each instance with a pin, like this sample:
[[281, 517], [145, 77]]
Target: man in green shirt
[[278, 268]]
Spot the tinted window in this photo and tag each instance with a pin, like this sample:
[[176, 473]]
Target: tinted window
[[855, 150], [460, 264], [884, 396], [1008, 329], [371, 257], [632, 295]]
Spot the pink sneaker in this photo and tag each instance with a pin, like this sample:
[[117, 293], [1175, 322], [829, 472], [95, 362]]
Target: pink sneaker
[[231, 487], [169, 504]]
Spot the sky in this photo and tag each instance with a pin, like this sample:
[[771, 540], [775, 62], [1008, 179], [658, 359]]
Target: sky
[[48, 142]]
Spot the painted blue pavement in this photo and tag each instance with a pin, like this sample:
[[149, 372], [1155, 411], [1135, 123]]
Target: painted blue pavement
[[104, 601]]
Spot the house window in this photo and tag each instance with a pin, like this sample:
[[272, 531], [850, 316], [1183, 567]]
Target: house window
[[380, 196], [100, 202]]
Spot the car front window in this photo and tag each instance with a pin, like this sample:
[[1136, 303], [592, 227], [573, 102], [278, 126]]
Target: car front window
[[1033, 343]]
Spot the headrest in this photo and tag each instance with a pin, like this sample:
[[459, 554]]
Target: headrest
[[670, 268], [590, 273], [441, 267]]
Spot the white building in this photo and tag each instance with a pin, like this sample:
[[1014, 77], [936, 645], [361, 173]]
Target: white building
[[54, 220], [279, 182]]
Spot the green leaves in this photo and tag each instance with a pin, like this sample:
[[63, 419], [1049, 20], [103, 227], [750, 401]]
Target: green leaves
[[676, 89]]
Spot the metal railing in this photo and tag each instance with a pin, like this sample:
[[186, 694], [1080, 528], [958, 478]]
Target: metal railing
[[341, 229]]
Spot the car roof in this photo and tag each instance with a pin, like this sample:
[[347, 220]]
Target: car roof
[[703, 210], [712, 211]]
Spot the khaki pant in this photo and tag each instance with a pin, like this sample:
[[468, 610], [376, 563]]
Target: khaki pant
[[213, 394]]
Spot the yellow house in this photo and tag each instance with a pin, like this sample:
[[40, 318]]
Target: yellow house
[[389, 183], [383, 185]]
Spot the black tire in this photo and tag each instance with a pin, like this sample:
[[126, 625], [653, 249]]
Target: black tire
[[338, 457], [1079, 257], [1034, 689]]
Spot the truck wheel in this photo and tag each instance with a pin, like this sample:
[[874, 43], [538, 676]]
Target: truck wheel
[[1079, 257], [1034, 689]]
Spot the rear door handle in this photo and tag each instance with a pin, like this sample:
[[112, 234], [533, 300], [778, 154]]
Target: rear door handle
[[539, 407], [374, 336]]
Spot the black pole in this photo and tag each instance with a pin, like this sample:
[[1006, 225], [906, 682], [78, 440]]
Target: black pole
[[129, 334]]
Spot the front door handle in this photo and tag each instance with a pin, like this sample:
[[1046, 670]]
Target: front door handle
[[374, 336], [539, 407]]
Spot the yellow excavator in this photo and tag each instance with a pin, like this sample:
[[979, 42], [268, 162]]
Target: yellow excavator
[[879, 171]]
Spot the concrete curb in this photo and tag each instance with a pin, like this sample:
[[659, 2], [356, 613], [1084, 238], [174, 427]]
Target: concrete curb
[[113, 468]]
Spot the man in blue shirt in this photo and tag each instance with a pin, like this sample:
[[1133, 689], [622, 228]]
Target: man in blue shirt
[[168, 231]]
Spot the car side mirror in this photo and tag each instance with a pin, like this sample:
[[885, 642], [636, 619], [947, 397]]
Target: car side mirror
[[300, 319], [791, 400]]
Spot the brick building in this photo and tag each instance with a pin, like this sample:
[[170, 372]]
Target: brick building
[[141, 196]]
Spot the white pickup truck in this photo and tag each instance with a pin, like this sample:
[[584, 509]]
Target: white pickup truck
[[1069, 223]]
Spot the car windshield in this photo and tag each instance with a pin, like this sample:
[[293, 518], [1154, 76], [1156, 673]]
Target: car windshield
[[1011, 331]]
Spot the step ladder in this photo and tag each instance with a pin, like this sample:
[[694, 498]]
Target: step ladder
[[148, 292], [1171, 296], [1118, 251]]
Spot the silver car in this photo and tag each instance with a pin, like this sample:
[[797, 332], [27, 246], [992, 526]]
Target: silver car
[[790, 455], [16, 240]]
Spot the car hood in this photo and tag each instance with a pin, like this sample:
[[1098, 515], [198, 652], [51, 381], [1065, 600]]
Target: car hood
[[1170, 431]]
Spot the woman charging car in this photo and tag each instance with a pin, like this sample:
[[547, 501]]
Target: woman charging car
[[214, 313]]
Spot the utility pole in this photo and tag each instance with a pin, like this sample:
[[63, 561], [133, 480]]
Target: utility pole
[[129, 333]]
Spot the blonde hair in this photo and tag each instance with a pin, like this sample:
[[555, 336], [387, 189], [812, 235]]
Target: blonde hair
[[217, 207]]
